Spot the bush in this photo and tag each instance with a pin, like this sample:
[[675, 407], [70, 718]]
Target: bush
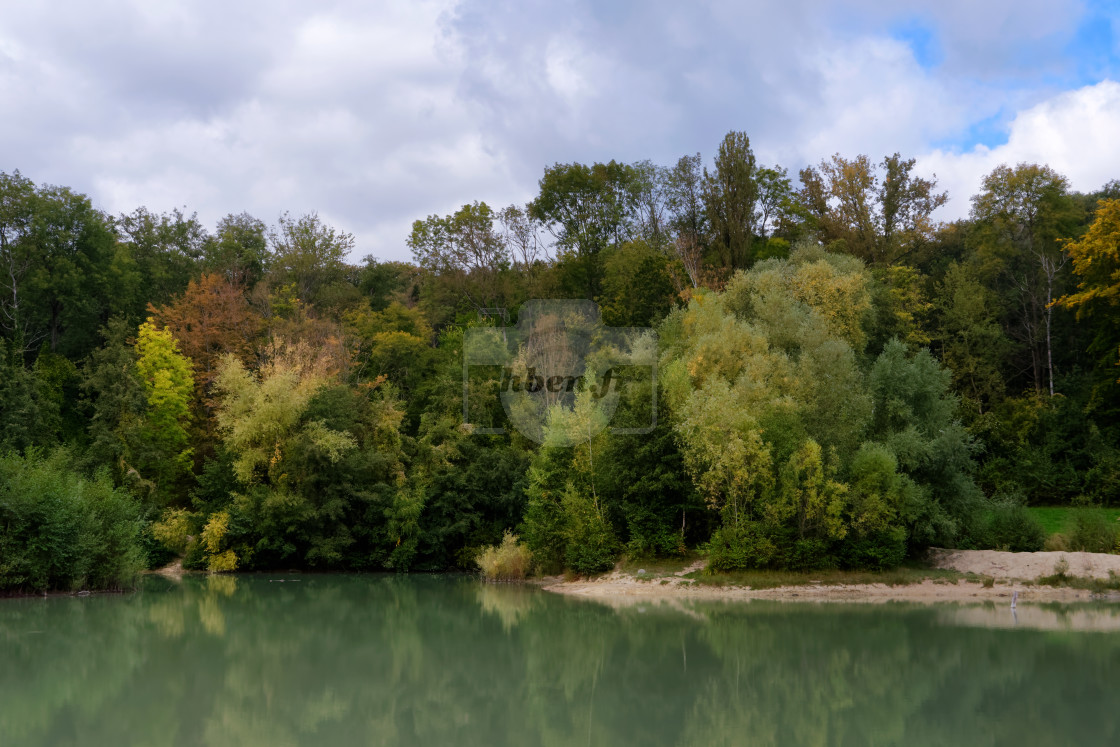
[[1010, 526], [505, 562], [1093, 532], [809, 554], [62, 531], [740, 547], [156, 553], [877, 551], [1056, 543], [591, 546]]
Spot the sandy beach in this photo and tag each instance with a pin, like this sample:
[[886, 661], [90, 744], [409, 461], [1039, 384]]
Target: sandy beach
[[1000, 576]]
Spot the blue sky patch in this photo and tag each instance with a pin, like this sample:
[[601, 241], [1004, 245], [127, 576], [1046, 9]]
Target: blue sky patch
[[990, 132], [1095, 48], [922, 40]]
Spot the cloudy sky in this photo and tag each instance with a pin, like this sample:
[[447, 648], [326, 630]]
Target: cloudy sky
[[378, 113]]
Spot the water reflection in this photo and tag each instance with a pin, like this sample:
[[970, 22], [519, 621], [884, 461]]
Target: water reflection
[[343, 660]]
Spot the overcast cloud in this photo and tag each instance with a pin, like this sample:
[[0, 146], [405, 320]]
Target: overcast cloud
[[375, 114]]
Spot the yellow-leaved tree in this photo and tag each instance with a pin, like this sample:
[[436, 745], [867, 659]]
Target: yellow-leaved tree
[[258, 415], [1096, 260], [160, 446]]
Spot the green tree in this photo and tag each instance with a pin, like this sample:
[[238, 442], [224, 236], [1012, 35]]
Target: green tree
[[164, 252], [29, 416], [901, 308], [587, 209], [1020, 216], [238, 249], [881, 214], [17, 211], [465, 250], [310, 254], [915, 417], [259, 416], [114, 397], [775, 201], [57, 264], [971, 341], [809, 496], [638, 286], [731, 195]]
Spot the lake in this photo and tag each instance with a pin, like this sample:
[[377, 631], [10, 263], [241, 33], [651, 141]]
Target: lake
[[416, 660]]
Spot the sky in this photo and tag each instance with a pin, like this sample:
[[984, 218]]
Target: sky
[[375, 114]]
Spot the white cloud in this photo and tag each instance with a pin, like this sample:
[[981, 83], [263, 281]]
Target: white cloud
[[1075, 133], [377, 114], [874, 99]]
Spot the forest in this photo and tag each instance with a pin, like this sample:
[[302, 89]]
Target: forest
[[843, 380]]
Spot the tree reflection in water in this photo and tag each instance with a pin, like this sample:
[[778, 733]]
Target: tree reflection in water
[[343, 660]]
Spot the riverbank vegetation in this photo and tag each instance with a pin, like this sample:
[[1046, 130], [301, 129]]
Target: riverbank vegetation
[[843, 380]]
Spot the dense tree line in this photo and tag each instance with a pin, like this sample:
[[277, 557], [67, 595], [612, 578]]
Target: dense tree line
[[844, 380]]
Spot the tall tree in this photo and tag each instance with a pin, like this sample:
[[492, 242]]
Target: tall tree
[[684, 200], [115, 397], [651, 222], [775, 200], [684, 196], [238, 249], [165, 250], [17, 195], [1021, 214], [882, 214], [587, 209], [730, 193], [464, 249], [57, 261], [309, 253]]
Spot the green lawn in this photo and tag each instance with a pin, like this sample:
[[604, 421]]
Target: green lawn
[[1059, 519]]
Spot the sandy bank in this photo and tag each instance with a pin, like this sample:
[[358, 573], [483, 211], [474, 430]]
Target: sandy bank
[[1012, 573], [1026, 565]]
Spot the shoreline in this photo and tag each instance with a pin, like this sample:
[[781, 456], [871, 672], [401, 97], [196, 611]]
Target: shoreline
[[980, 576], [627, 590]]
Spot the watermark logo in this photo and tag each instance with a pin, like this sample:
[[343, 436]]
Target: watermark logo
[[559, 377]]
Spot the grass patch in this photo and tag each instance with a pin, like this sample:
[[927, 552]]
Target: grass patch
[[1062, 519], [902, 576], [1095, 585]]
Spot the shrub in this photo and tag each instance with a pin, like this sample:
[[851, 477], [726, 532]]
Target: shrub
[[739, 547], [218, 560], [505, 562], [1010, 526], [1093, 532], [60, 530], [809, 555], [1056, 543], [591, 543], [877, 551], [157, 554]]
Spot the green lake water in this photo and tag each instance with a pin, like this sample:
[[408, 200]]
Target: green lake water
[[406, 660]]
